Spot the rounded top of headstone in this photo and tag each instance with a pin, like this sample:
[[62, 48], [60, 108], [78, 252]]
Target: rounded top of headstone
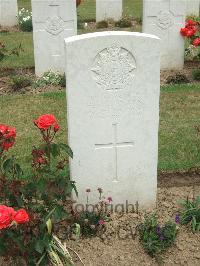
[[109, 33]]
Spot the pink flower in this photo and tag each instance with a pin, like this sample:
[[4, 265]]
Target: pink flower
[[109, 199], [101, 222]]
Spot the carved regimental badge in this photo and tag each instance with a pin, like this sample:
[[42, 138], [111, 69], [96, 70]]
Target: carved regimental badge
[[54, 25], [165, 19], [113, 68]]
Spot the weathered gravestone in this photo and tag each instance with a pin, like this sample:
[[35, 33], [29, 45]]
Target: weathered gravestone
[[192, 7], [113, 81], [165, 18], [52, 22], [8, 13], [108, 9]]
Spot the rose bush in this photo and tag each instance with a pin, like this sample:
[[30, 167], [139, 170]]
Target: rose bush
[[44, 193], [191, 32]]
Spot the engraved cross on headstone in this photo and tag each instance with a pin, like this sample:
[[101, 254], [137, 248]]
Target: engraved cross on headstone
[[115, 145]]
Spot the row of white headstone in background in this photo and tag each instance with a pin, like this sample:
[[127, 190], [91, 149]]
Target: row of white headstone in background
[[55, 20], [104, 9], [8, 13]]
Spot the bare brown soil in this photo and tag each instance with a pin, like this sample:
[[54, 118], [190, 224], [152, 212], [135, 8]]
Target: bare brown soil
[[6, 89], [119, 245]]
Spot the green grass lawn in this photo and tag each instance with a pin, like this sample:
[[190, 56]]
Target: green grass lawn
[[86, 11], [179, 114], [13, 40]]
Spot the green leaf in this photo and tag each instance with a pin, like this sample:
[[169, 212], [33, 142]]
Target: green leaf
[[74, 188], [49, 226], [19, 170], [55, 149], [8, 164], [67, 149], [50, 214], [40, 246]]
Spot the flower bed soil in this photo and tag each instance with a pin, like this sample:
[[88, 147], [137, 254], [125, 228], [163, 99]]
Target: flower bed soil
[[5, 88], [118, 246]]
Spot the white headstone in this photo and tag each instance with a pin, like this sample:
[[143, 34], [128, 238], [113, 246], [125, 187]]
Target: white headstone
[[113, 82], [192, 7], [52, 22], [165, 18], [8, 13], [108, 9]]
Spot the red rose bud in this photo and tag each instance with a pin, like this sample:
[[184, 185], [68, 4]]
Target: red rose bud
[[56, 128], [21, 217]]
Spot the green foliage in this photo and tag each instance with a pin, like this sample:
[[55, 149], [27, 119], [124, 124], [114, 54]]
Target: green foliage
[[190, 213], [125, 22], [156, 238], [93, 217], [196, 74], [43, 194], [102, 24], [177, 78], [50, 78], [18, 82], [25, 20]]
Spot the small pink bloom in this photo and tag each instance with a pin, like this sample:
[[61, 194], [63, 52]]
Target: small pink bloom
[[109, 199], [101, 222]]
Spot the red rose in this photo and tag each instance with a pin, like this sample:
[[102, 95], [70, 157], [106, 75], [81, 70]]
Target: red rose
[[45, 121], [10, 133], [190, 32], [21, 217], [190, 23], [196, 42], [6, 214], [7, 135], [184, 31], [3, 129], [56, 128]]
